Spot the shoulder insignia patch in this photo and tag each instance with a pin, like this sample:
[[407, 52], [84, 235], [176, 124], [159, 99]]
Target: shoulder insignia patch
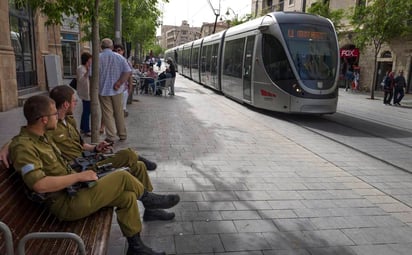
[[27, 169]]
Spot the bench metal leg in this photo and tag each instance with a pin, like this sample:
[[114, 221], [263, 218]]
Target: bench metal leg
[[8, 238], [48, 235]]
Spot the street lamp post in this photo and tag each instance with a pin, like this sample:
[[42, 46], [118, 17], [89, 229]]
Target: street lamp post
[[217, 14], [228, 13]]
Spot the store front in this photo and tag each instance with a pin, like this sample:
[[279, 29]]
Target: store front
[[70, 50], [385, 64], [70, 45], [349, 62], [22, 40]]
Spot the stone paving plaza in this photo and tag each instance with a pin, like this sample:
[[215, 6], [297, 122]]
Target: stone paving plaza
[[255, 184]]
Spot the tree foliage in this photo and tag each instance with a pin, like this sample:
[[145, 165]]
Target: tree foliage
[[54, 10], [322, 8], [139, 20], [380, 22], [139, 23]]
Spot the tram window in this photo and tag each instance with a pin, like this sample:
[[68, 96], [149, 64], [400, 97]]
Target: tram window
[[213, 67], [275, 59], [233, 59], [195, 58], [205, 58]]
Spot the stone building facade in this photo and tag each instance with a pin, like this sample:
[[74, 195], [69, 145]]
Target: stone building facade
[[24, 43], [172, 36], [207, 28]]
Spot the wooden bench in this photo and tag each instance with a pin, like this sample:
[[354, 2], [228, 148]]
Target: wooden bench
[[25, 218]]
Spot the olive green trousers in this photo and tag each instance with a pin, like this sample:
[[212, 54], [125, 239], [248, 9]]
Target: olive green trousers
[[129, 158], [118, 189]]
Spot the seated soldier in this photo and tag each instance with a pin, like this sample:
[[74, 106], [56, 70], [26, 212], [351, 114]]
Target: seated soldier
[[45, 171], [69, 141]]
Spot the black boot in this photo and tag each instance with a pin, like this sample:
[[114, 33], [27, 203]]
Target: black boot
[[157, 214], [137, 247], [155, 201], [149, 164]]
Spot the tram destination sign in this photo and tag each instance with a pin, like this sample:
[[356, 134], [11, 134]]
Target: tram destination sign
[[307, 34]]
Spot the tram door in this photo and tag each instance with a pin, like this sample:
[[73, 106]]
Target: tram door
[[247, 68]]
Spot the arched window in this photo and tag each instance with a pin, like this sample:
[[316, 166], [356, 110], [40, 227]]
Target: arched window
[[386, 54]]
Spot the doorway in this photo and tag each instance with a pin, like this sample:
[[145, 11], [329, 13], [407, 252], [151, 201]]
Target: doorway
[[70, 52], [383, 67]]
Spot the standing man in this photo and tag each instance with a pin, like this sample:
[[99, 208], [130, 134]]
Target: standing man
[[388, 88], [128, 86], [172, 69], [400, 84], [83, 90], [38, 160], [114, 71]]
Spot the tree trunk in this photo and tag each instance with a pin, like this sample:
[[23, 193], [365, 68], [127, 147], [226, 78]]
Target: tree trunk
[[375, 68], [94, 85]]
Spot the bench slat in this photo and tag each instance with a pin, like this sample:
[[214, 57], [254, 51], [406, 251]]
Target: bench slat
[[23, 216]]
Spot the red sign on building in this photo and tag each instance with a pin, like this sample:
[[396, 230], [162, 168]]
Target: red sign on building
[[349, 53]]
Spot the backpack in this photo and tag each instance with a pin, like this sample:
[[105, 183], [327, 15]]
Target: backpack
[[387, 83], [73, 83]]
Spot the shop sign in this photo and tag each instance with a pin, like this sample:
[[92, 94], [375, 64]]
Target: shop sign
[[349, 53]]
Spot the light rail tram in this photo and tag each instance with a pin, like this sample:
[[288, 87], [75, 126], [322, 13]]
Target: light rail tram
[[284, 62]]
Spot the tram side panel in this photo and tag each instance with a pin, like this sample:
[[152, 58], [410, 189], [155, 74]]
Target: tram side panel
[[210, 60], [232, 61], [186, 60], [244, 77], [195, 65], [209, 66]]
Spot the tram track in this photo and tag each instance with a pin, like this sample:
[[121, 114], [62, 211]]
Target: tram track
[[347, 129], [351, 136]]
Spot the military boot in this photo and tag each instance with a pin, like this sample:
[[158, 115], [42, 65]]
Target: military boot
[[157, 214], [155, 201], [137, 247], [150, 165]]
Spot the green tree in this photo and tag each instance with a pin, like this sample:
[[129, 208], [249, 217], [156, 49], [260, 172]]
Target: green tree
[[380, 22], [139, 21], [88, 14], [322, 8]]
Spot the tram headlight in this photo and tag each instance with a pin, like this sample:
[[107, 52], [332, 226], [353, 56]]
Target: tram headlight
[[297, 88]]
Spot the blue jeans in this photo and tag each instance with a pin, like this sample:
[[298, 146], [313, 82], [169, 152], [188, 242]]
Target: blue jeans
[[84, 122]]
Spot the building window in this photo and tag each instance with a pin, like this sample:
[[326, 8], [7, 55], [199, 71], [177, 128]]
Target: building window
[[21, 35], [386, 54], [70, 52], [291, 2]]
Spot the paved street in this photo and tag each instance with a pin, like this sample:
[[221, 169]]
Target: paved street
[[253, 182]]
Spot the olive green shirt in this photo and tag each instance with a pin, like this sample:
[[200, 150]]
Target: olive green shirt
[[35, 157], [67, 138]]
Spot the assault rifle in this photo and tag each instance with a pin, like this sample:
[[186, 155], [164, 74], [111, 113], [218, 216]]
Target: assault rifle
[[101, 172], [88, 161]]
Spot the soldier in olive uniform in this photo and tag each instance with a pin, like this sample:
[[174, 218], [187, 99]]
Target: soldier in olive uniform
[[45, 171], [68, 140]]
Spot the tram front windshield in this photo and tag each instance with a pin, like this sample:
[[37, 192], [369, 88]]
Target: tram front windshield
[[314, 52]]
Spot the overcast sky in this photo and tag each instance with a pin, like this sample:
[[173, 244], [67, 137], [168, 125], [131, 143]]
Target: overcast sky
[[198, 11]]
